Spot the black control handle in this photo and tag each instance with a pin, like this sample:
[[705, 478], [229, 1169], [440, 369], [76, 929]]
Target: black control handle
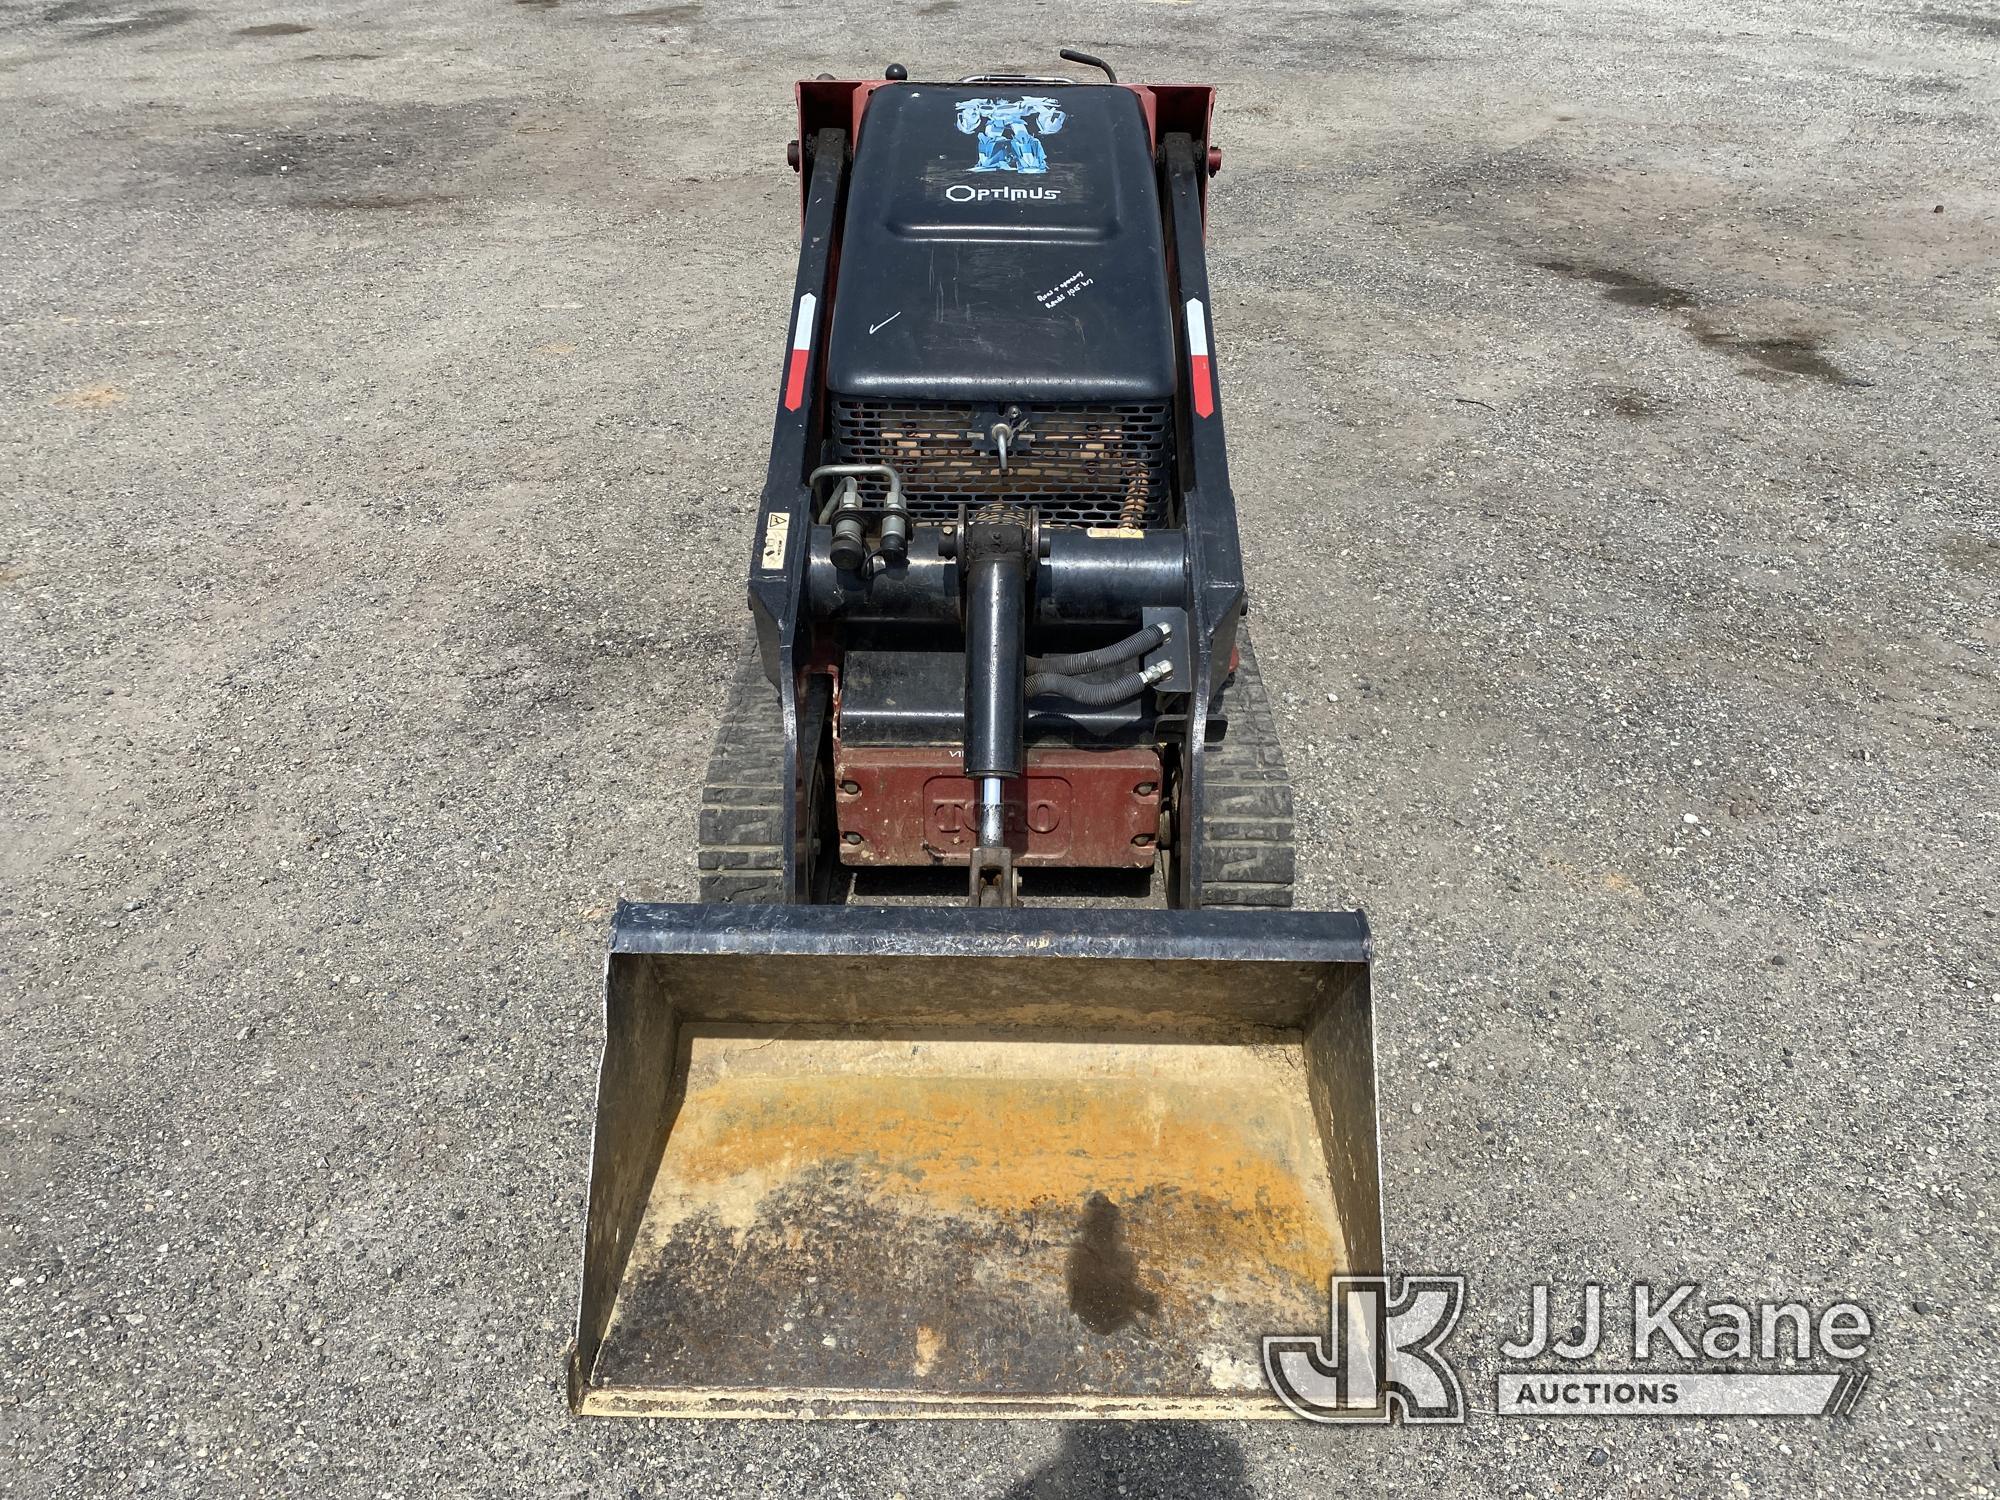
[[1070, 54]]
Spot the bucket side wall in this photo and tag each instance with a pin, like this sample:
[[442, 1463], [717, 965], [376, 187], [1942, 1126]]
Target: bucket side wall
[[1340, 1078], [638, 1094]]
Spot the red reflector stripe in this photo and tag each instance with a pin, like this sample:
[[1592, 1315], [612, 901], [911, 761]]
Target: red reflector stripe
[[795, 367], [1201, 377]]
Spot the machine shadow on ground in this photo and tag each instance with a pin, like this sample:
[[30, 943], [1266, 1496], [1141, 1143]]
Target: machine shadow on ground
[[1162, 1461]]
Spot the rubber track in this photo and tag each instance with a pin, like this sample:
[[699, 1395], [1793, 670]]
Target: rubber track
[[1248, 854], [739, 843]]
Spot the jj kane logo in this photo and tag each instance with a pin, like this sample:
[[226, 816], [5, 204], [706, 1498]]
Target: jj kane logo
[[1382, 1356]]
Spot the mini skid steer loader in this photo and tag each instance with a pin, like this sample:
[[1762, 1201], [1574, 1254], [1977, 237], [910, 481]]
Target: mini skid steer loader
[[981, 1157]]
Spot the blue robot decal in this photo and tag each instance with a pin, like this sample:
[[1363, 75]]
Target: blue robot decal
[[1005, 142]]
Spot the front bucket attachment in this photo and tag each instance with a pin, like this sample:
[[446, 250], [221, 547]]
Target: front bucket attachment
[[858, 1162]]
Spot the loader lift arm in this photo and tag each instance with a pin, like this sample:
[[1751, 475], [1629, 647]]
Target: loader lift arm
[[1208, 505], [784, 529]]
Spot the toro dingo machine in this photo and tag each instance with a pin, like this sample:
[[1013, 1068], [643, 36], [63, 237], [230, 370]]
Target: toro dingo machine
[[986, 1156]]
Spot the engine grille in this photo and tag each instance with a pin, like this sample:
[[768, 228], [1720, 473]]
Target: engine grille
[[1079, 465]]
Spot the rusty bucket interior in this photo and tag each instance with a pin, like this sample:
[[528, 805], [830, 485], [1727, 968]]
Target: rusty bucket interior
[[871, 1162]]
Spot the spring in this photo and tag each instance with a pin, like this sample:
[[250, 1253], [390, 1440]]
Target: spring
[[1132, 514]]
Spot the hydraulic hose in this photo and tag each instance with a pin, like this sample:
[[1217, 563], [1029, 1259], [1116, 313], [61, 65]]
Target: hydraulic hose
[[1092, 694], [1076, 663]]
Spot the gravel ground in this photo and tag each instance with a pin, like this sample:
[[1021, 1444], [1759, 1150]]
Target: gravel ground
[[385, 391]]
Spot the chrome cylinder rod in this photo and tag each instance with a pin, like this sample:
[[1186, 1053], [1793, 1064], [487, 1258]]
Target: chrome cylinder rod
[[992, 821]]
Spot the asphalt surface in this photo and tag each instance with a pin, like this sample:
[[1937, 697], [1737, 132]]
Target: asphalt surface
[[383, 395]]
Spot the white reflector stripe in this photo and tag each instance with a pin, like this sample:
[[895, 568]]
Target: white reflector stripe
[[802, 330], [1197, 328]]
